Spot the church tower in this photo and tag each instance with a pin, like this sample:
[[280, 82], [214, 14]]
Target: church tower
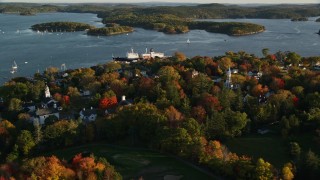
[[228, 82], [47, 92]]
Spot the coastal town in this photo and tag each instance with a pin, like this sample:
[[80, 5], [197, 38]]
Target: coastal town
[[150, 114]]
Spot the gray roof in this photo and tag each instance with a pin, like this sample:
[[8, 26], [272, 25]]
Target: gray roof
[[45, 111], [88, 112]]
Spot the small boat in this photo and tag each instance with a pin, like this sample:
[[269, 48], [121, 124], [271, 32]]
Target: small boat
[[188, 41], [15, 66]]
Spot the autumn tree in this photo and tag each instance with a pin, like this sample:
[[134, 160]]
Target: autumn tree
[[174, 116], [288, 172], [225, 63], [7, 136], [199, 113], [180, 56], [263, 170], [47, 167]]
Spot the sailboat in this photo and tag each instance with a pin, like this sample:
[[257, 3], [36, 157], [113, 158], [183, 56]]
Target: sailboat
[[14, 67], [188, 41]]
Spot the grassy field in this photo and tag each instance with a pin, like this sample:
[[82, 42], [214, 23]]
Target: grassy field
[[271, 148], [133, 163]]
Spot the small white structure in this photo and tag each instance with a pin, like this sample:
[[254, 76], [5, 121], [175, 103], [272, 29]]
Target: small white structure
[[47, 92], [228, 83], [124, 102], [85, 93], [194, 73], [88, 115], [235, 71]]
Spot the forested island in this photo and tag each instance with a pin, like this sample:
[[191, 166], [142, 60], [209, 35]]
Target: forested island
[[27, 13], [61, 27], [75, 26], [108, 31], [238, 115]]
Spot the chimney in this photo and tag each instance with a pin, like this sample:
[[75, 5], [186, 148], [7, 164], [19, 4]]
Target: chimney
[[123, 98]]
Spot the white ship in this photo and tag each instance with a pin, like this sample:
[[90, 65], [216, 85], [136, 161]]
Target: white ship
[[151, 54], [130, 56]]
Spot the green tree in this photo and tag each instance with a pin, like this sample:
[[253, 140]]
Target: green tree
[[265, 52], [293, 58], [295, 150], [310, 166], [25, 142], [15, 104], [140, 121], [167, 74], [61, 133], [112, 66], [14, 154]]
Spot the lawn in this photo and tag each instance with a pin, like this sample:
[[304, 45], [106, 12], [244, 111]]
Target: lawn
[[271, 148], [133, 163]]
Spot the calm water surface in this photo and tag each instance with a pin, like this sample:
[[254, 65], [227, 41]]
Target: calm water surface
[[35, 51]]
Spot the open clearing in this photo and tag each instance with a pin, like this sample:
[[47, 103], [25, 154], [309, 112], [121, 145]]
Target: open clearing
[[133, 163]]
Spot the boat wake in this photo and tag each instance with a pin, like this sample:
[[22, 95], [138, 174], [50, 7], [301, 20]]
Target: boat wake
[[298, 31]]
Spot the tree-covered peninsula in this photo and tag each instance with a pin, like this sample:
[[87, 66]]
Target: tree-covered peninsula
[[171, 24], [61, 26], [299, 19]]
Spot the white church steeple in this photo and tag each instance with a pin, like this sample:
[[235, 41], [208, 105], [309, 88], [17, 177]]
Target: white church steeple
[[47, 92], [228, 82]]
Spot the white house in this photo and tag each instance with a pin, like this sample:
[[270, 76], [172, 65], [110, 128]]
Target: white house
[[88, 115], [41, 114], [85, 93]]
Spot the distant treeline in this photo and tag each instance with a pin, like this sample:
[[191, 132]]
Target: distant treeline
[[203, 11]]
